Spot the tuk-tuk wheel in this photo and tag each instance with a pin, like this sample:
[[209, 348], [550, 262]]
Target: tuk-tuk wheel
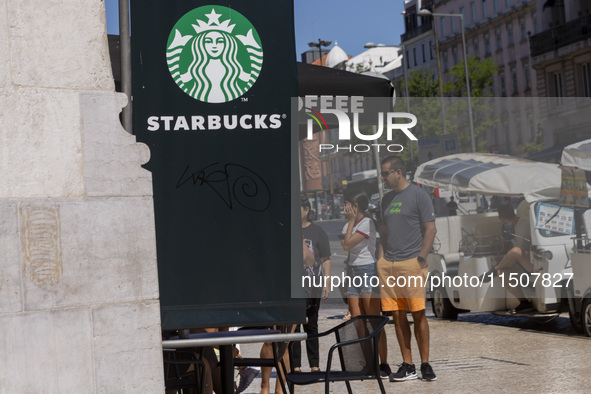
[[442, 306], [586, 317]]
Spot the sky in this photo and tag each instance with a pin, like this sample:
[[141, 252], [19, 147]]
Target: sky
[[350, 23]]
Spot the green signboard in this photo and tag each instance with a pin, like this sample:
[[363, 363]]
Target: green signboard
[[212, 83]]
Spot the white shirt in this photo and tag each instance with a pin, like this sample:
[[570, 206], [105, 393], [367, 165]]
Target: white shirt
[[364, 252]]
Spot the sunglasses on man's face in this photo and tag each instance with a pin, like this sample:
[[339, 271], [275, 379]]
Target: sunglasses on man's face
[[387, 174]]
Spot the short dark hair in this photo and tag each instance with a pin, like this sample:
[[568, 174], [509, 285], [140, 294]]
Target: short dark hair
[[395, 162], [305, 201], [506, 212]]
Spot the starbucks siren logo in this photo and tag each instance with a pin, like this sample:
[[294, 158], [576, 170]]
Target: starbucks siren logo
[[211, 61]]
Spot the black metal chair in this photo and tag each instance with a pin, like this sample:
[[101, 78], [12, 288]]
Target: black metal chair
[[357, 342], [279, 349], [178, 374]]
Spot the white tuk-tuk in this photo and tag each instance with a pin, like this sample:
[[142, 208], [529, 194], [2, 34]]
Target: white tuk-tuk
[[579, 156], [468, 247]]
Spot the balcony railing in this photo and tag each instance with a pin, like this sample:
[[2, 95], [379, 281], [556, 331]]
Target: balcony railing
[[560, 36], [427, 26]]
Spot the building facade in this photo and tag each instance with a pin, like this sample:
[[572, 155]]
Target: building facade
[[419, 38], [492, 28], [561, 55]]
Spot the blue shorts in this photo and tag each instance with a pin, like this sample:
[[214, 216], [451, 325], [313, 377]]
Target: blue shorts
[[361, 279]]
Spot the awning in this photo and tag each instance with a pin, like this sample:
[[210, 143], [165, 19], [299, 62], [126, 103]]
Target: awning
[[577, 155], [491, 174], [324, 81], [548, 155]]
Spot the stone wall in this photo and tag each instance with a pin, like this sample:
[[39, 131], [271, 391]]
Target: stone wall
[[79, 309]]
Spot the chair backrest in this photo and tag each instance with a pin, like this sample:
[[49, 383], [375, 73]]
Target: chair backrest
[[360, 357], [177, 362]]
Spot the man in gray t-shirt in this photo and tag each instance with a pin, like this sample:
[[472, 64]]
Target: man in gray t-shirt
[[407, 234], [403, 214]]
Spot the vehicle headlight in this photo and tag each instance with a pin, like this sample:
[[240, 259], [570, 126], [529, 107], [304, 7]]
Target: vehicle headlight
[[546, 255]]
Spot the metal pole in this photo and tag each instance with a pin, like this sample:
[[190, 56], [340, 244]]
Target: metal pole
[[125, 50], [404, 60], [469, 99], [439, 74], [376, 156], [427, 12], [468, 86]]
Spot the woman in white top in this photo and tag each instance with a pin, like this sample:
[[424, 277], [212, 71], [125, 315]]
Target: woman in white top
[[360, 241]]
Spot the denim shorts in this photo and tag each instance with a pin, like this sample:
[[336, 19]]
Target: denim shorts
[[360, 284]]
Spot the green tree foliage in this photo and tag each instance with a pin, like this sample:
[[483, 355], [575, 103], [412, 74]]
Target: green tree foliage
[[422, 83], [425, 103], [424, 91], [480, 72], [537, 145]]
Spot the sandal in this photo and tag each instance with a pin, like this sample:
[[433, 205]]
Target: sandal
[[347, 316]]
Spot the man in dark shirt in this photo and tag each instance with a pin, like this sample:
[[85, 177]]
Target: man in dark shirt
[[317, 241], [452, 207]]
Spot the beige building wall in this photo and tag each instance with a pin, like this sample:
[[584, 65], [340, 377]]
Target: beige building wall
[[79, 309], [562, 59]]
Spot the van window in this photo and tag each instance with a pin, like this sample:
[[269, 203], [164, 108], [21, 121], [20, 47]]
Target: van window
[[564, 217]]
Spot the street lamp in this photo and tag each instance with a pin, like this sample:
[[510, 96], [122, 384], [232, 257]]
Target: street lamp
[[319, 45], [371, 45], [424, 12]]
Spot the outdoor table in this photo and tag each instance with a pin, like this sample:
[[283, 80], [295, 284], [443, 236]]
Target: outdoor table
[[225, 340]]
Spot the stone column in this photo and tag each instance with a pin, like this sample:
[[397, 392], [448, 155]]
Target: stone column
[[79, 309]]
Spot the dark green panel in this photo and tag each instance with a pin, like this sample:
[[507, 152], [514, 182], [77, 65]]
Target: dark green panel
[[212, 84]]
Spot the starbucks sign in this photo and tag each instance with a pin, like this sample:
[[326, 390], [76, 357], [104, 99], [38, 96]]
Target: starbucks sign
[[216, 115], [214, 54]]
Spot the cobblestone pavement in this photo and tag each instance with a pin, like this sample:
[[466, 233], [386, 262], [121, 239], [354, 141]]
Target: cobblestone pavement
[[480, 352]]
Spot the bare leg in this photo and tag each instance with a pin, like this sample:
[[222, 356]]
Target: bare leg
[[208, 378], [278, 388], [422, 334], [354, 305], [403, 335], [266, 352], [513, 256], [371, 306]]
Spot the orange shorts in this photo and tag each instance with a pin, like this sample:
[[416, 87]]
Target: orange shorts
[[402, 285]]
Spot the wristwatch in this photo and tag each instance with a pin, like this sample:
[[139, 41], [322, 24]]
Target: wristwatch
[[420, 259]]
